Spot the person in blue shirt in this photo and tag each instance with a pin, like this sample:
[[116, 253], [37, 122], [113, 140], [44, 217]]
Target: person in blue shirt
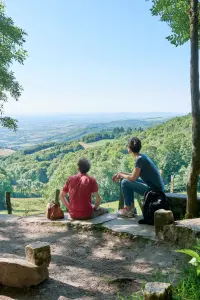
[[145, 176]]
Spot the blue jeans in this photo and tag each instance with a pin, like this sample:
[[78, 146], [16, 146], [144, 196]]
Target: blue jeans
[[129, 187]]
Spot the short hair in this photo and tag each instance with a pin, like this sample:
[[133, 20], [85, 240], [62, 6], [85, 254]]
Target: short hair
[[135, 145], [84, 165]]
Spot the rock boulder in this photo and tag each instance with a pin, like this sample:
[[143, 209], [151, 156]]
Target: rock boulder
[[20, 273]]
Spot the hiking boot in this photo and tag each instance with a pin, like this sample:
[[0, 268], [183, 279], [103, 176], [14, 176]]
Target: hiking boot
[[124, 213]]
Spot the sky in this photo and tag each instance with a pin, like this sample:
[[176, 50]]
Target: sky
[[97, 56]]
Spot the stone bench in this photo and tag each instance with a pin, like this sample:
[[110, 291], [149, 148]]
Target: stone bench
[[178, 204], [25, 273]]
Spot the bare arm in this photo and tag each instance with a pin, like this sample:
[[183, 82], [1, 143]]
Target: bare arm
[[132, 177], [97, 200], [64, 199], [116, 177], [125, 173]]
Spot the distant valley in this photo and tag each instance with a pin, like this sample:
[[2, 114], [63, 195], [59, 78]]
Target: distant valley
[[35, 130]]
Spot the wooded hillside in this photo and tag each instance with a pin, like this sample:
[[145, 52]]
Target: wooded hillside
[[40, 170]]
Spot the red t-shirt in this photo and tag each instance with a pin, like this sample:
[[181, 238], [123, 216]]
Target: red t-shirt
[[80, 188]]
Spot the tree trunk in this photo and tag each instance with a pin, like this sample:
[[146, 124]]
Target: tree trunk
[[194, 84]]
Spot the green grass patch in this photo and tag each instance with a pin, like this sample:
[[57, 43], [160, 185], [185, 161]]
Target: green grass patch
[[31, 206], [100, 143], [27, 206]]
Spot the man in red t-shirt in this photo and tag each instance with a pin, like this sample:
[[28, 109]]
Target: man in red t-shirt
[[80, 188]]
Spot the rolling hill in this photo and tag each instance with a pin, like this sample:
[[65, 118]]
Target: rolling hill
[[43, 168], [64, 128]]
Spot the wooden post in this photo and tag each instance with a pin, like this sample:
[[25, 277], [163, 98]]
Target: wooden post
[[172, 184], [57, 196], [8, 203], [121, 198]]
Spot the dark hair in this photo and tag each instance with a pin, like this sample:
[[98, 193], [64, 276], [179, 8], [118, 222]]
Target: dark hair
[[84, 165], [135, 145]]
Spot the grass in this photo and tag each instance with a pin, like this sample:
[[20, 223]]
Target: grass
[[187, 286], [96, 144], [100, 143], [27, 206], [31, 206]]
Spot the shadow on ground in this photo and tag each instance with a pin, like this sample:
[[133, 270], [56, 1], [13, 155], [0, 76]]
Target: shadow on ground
[[83, 262]]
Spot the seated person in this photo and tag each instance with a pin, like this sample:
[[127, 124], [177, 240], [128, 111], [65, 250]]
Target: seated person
[[150, 178], [80, 188]]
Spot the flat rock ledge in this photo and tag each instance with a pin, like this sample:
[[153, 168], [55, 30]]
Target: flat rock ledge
[[182, 233], [22, 273], [158, 291]]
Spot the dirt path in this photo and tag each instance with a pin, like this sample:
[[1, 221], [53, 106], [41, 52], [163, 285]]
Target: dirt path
[[84, 262]]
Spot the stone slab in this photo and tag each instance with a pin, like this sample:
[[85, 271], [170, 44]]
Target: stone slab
[[194, 224], [183, 233], [43, 220], [132, 227], [110, 221], [20, 273]]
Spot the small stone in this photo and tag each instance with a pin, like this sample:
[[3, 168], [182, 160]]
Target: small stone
[[158, 291], [39, 253], [162, 217], [20, 273]]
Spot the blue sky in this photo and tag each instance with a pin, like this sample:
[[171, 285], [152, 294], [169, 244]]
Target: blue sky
[[97, 56]]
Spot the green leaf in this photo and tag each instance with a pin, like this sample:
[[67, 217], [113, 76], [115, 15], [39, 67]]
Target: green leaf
[[198, 270], [197, 247], [194, 262], [11, 44], [190, 252]]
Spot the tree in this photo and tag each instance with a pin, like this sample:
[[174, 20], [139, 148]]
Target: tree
[[183, 18], [12, 39]]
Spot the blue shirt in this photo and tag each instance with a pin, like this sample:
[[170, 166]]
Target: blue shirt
[[149, 172]]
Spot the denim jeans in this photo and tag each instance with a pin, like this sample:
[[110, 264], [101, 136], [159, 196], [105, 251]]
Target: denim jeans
[[129, 187]]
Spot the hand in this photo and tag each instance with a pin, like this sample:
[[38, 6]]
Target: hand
[[114, 178], [118, 177]]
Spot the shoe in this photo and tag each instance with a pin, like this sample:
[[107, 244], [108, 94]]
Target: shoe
[[124, 213]]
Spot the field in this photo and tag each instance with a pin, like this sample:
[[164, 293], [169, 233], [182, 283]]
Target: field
[[27, 206], [31, 206], [96, 144], [6, 152]]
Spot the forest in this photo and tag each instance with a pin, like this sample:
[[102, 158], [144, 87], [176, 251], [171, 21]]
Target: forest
[[40, 170]]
